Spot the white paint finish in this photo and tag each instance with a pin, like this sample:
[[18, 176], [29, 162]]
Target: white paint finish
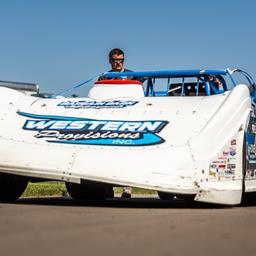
[[250, 185], [198, 130], [152, 166], [225, 192], [115, 91]]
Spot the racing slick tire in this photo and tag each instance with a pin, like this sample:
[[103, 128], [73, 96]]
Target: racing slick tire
[[11, 187], [90, 190], [187, 198], [165, 195]]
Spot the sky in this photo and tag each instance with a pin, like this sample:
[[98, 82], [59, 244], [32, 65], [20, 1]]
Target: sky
[[60, 43]]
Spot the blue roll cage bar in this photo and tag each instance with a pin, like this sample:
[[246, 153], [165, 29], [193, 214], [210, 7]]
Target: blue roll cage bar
[[200, 74], [150, 77]]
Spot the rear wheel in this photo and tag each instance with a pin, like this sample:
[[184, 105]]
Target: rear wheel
[[90, 190], [165, 195], [187, 198], [11, 186]]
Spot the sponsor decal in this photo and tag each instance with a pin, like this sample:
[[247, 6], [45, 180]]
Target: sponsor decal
[[233, 142], [231, 166], [222, 158], [97, 104], [231, 160], [230, 172], [225, 153], [224, 165], [74, 130], [212, 173], [232, 151], [221, 173]]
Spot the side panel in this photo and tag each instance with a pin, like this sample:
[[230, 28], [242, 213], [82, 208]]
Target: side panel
[[218, 151], [250, 170]]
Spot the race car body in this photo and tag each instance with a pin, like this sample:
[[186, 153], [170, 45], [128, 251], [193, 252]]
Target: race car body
[[196, 137]]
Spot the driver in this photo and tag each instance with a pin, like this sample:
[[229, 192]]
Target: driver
[[116, 60], [215, 81]]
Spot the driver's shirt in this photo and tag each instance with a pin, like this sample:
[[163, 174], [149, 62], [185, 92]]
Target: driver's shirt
[[118, 78]]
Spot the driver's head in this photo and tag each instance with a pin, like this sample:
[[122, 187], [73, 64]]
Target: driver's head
[[210, 78], [116, 60]]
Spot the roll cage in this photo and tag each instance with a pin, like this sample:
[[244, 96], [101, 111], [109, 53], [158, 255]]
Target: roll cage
[[186, 82]]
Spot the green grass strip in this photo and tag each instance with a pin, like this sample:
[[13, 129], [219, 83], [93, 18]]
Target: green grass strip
[[53, 188], [45, 189]]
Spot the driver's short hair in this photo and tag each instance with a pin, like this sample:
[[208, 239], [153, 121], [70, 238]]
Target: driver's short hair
[[115, 51]]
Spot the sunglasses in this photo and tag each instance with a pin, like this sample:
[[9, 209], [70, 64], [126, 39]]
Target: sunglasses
[[117, 60]]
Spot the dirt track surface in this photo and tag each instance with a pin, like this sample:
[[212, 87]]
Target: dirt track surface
[[137, 226]]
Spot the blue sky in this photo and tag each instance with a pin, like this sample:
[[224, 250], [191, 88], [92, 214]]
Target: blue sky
[[59, 43]]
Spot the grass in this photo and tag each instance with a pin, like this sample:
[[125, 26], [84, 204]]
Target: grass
[[42, 189]]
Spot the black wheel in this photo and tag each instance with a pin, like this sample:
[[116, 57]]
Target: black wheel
[[11, 186], [187, 198], [90, 190], [165, 195], [249, 198]]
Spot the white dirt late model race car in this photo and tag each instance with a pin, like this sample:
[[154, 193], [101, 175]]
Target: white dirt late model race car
[[188, 133]]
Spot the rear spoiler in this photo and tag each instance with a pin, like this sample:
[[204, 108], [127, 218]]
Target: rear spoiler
[[27, 88]]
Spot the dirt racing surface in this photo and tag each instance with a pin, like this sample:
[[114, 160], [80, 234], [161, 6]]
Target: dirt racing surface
[[137, 226]]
